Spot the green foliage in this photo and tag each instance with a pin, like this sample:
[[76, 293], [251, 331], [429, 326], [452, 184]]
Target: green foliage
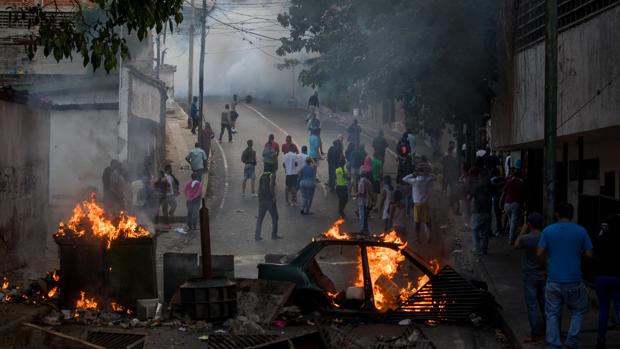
[[93, 32], [437, 56]]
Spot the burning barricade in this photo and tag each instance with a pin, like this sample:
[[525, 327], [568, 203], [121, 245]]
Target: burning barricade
[[106, 262]]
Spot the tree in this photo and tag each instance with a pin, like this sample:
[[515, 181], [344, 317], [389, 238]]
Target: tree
[[93, 32], [436, 56]]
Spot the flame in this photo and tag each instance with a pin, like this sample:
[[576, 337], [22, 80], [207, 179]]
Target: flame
[[384, 263], [89, 219], [5, 283], [55, 276], [120, 309], [86, 303], [51, 293]]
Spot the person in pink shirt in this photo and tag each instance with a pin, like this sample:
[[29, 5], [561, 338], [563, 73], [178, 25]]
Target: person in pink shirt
[[193, 194]]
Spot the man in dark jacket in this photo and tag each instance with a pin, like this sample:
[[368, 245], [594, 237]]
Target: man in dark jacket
[[334, 157]]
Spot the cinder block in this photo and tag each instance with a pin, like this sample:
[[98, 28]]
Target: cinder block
[[145, 308]]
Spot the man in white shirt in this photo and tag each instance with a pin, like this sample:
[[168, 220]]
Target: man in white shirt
[[291, 167], [421, 184]]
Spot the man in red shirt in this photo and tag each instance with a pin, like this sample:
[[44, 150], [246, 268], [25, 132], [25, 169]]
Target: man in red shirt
[[287, 144], [513, 198]]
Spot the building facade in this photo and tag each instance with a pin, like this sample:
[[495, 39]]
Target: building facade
[[588, 122]]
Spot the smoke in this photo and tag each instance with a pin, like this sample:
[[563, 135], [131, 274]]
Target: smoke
[[237, 62]]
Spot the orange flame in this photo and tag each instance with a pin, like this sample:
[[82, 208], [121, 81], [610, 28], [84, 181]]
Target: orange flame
[[384, 264], [51, 293], [55, 276], [5, 283], [90, 219], [86, 303]]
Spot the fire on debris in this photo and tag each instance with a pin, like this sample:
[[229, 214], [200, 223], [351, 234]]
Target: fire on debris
[[89, 220], [383, 266]]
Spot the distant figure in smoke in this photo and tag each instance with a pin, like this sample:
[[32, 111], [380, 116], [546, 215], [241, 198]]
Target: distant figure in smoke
[[313, 105], [354, 133], [364, 197], [225, 123], [193, 194], [334, 158], [314, 127], [481, 193], [267, 203], [148, 199], [194, 114], [397, 216], [114, 187], [168, 186], [380, 144], [233, 115], [451, 173], [411, 139]]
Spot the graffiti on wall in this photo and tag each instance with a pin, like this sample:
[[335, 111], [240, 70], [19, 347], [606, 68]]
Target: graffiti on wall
[[17, 182]]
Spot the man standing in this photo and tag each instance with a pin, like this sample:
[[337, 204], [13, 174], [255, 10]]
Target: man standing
[[314, 128], [513, 197], [481, 193], [169, 189], [270, 155], [225, 123], [313, 148], [193, 111], [379, 144], [342, 187], [290, 171], [197, 159], [533, 276], [248, 158], [562, 245], [233, 115], [267, 203], [411, 139], [288, 142], [421, 184], [334, 157], [364, 197], [313, 105]]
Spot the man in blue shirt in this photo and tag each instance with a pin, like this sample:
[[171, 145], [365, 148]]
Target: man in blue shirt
[[562, 244]]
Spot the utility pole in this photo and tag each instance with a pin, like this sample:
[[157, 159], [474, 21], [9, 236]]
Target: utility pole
[[551, 106], [158, 66], [203, 35], [190, 70]]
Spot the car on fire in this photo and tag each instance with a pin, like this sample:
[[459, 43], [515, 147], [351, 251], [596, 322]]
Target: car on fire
[[378, 276]]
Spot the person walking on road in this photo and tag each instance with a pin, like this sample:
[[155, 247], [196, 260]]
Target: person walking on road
[[364, 200], [533, 276], [225, 123], [267, 203], [307, 185], [197, 160], [313, 105], [193, 194], [385, 199], [607, 279], [354, 133], [513, 198], [334, 158], [290, 171], [342, 187], [233, 116], [193, 114], [313, 148], [248, 158], [451, 169], [379, 144], [314, 128], [481, 194], [421, 184], [562, 245]]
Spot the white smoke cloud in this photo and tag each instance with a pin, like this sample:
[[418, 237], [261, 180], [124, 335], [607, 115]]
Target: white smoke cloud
[[236, 62]]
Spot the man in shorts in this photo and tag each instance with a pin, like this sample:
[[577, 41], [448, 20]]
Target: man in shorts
[[248, 157], [421, 184]]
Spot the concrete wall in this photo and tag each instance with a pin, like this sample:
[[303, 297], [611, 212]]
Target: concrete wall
[[82, 144], [24, 168], [588, 60]]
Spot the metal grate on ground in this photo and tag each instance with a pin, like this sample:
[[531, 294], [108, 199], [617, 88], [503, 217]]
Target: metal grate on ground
[[229, 341], [413, 337], [116, 340]]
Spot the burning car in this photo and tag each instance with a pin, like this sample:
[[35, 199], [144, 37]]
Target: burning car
[[376, 275]]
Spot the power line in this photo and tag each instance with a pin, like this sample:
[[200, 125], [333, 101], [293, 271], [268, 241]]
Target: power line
[[242, 29], [598, 93]]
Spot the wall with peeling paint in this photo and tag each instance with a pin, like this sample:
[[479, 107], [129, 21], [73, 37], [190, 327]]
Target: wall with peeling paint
[[24, 169]]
